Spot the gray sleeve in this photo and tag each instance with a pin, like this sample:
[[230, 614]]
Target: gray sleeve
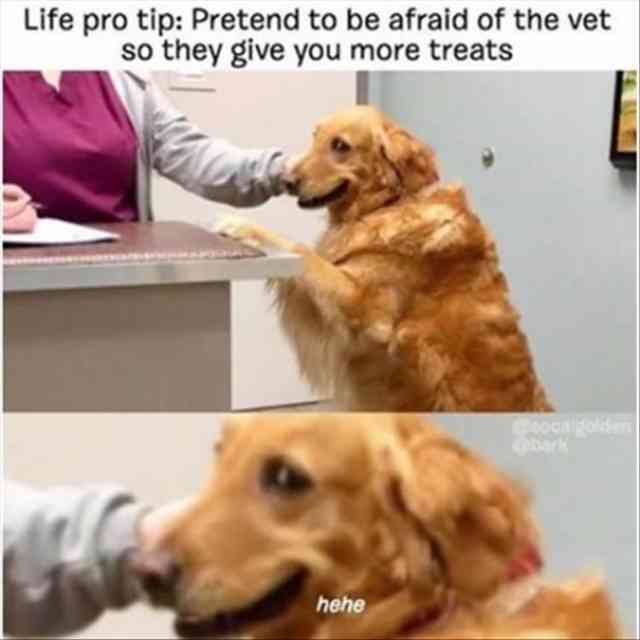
[[65, 557], [210, 167]]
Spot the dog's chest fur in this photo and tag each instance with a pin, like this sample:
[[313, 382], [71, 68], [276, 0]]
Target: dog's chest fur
[[350, 358]]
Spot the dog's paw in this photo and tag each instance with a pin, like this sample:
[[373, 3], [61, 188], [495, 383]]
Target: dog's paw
[[238, 228]]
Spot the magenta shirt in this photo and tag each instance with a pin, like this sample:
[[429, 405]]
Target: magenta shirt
[[72, 150]]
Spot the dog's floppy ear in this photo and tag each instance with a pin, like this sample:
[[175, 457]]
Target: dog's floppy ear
[[458, 511], [413, 162]]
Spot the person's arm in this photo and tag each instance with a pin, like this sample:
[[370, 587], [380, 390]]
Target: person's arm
[[210, 167], [66, 556]]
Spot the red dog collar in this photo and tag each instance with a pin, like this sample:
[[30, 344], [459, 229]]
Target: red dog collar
[[523, 566]]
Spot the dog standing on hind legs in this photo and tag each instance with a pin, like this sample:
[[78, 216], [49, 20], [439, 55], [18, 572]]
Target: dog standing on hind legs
[[402, 305]]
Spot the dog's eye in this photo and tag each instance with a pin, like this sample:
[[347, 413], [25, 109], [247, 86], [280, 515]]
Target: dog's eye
[[340, 146], [281, 477]]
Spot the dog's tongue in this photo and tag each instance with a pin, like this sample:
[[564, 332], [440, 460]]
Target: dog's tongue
[[528, 563]]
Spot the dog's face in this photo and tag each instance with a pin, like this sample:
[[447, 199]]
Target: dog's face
[[358, 161], [303, 506]]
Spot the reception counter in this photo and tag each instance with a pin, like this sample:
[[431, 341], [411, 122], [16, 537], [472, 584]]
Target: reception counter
[[138, 324]]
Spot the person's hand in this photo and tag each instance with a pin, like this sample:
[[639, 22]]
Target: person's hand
[[289, 178], [152, 563], [14, 200], [156, 523], [291, 162], [18, 212]]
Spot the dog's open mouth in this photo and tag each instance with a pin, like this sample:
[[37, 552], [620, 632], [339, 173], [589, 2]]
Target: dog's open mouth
[[273, 604], [314, 202]]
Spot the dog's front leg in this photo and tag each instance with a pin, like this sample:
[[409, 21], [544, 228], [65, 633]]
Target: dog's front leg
[[242, 229], [335, 293]]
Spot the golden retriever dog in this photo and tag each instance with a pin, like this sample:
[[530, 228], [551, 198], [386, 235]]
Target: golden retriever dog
[[384, 509], [402, 305]]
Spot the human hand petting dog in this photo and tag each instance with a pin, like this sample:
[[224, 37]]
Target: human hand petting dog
[[86, 541], [288, 176], [156, 522], [155, 569]]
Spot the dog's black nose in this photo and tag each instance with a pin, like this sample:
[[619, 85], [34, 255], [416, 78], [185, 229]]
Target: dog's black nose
[[158, 573], [292, 185]]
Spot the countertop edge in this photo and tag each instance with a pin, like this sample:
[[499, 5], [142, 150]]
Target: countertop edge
[[22, 278]]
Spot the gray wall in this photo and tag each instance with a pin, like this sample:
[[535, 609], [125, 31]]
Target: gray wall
[[585, 498], [563, 216]]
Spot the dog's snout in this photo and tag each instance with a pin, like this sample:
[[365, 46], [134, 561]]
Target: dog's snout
[[158, 573]]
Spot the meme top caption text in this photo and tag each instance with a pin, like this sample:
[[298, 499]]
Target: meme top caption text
[[322, 35]]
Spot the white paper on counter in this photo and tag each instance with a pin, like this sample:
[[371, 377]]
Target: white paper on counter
[[50, 231]]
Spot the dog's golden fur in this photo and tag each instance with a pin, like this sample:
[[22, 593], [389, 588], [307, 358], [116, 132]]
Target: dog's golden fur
[[393, 511], [402, 305]]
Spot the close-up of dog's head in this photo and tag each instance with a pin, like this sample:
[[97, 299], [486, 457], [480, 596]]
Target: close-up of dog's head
[[303, 509], [360, 160]]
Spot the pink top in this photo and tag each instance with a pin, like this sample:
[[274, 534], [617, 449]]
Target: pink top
[[73, 150]]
